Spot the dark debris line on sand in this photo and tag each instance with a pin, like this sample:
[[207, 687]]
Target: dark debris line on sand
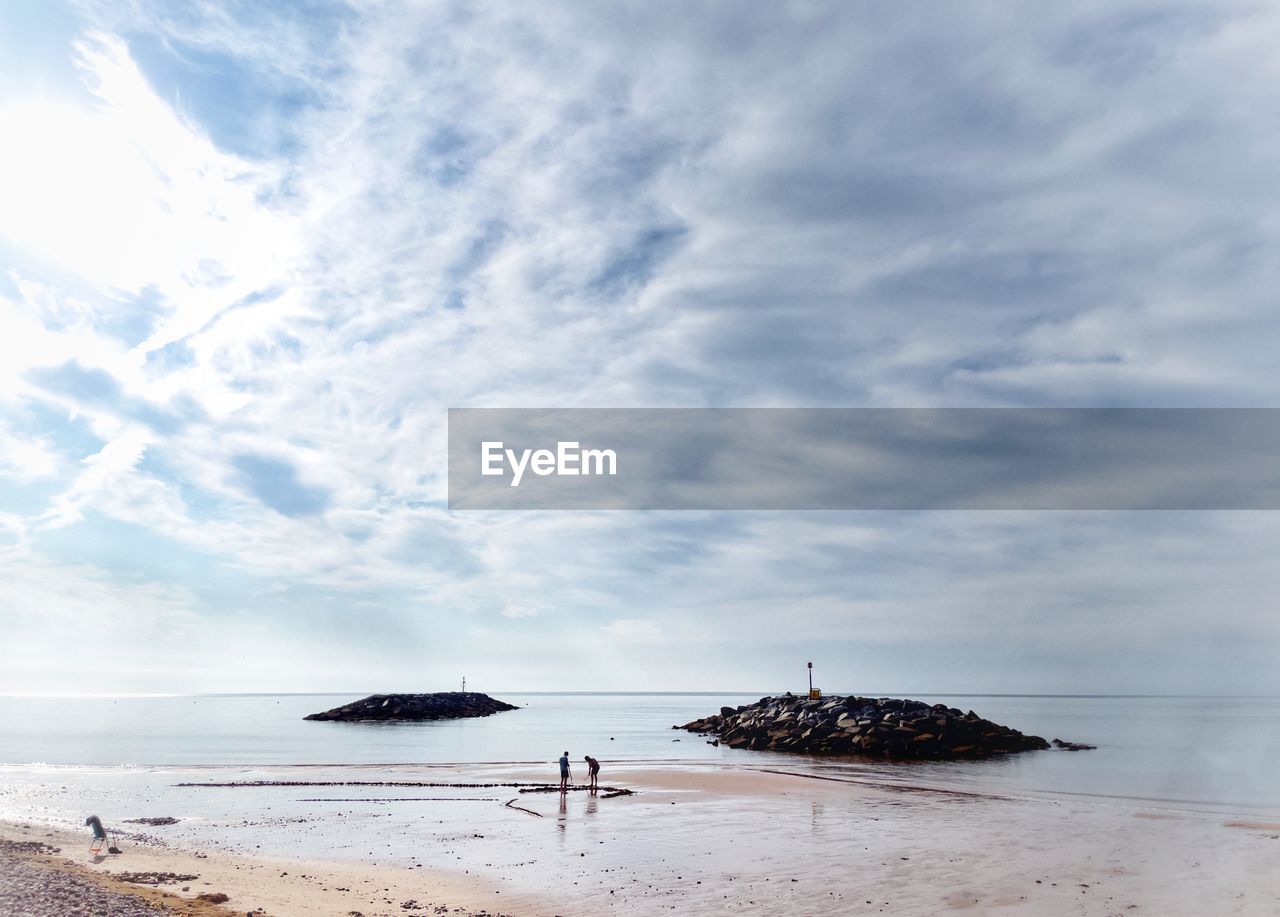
[[606, 792], [153, 822], [511, 804]]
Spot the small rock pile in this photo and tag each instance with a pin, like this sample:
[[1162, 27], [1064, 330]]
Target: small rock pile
[[444, 705], [884, 727], [155, 878], [153, 822]]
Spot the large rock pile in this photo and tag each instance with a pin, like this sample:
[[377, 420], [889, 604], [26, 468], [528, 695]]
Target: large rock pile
[[885, 727], [445, 705]]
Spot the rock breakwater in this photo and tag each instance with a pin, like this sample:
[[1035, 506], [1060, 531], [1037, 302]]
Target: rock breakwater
[[884, 727], [444, 705]]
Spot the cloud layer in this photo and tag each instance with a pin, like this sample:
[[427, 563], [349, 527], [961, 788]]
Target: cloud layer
[[250, 258]]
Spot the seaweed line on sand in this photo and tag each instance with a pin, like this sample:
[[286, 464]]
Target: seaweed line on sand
[[511, 804], [606, 792], [405, 799]]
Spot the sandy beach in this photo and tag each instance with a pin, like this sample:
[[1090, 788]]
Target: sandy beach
[[337, 841], [40, 881]]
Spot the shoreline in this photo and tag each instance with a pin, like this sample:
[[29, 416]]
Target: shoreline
[[691, 840]]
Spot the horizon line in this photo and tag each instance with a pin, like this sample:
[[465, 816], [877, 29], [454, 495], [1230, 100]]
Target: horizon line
[[139, 695]]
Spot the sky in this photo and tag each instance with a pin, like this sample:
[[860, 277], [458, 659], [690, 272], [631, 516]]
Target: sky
[[251, 254]]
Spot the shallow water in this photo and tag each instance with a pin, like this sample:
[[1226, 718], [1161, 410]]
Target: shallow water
[[1197, 752]]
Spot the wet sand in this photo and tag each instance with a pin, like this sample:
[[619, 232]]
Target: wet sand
[[692, 840]]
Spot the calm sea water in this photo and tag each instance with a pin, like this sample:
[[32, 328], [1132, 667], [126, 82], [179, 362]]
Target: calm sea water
[[1195, 751]]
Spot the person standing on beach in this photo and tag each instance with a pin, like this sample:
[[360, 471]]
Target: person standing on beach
[[593, 772], [564, 772]]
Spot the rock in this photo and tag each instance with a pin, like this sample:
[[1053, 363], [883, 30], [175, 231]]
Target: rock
[[884, 727], [1073, 746], [445, 705]]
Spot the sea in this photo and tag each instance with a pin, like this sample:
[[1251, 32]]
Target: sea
[[1213, 753]]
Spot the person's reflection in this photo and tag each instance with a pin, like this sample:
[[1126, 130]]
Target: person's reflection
[[592, 804], [564, 810]]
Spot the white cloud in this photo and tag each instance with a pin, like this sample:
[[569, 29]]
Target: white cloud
[[555, 206], [104, 472], [520, 611], [25, 458], [633, 630]]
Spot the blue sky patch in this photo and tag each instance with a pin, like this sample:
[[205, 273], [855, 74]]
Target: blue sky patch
[[275, 482]]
